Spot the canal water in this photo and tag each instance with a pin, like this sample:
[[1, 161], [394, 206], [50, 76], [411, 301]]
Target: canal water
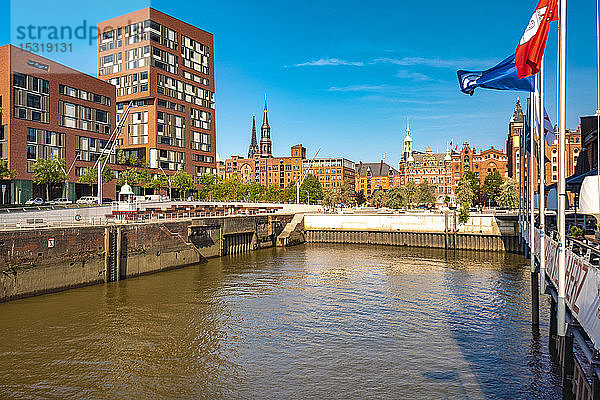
[[313, 321]]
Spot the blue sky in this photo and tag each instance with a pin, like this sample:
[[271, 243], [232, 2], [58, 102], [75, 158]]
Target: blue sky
[[345, 75]]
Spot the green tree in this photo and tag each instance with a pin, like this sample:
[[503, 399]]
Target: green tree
[[360, 197], [5, 171], [447, 200], [289, 193], [273, 194], [345, 193], [255, 192], [509, 194], [311, 185], [464, 196], [410, 193], [160, 181], [379, 198], [208, 183], [475, 185], [426, 193], [330, 198], [491, 184], [464, 192], [396, 197], [47, 171], [183, 182], [90, 176]]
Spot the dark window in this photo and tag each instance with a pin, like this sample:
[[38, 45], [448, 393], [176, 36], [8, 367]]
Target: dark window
[[161, 103], [36, 116], [31, 137], [97, 98], [48, 137], [45, 86], [31, 152], [165, 140], [143, 75], [33, 101], [22, 113], [101, 116], [20, 80], [162, 153], [92, 142], [35, 85]]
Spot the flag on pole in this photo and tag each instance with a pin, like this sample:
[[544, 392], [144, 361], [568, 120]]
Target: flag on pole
[[548, 128], [530, 50], [502, 77]]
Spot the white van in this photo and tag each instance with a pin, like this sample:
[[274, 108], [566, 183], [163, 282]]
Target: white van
[[88, 200]]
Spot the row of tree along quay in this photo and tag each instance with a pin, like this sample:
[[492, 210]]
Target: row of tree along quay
[[469, 192]]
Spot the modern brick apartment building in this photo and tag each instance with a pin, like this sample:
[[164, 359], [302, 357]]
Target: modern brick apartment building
[[332, 173], [50, 110], [166, 67]]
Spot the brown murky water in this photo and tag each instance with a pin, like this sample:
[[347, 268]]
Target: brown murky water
[[314, 321]]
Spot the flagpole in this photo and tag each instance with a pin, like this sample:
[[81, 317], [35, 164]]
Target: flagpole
[[535, 311], [562, 108], [542, 166]]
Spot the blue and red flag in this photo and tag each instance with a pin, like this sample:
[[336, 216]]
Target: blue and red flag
[[502, 77]]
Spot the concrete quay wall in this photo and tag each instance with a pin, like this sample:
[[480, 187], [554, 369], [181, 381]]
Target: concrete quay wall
[[481, 232], [44, 260]]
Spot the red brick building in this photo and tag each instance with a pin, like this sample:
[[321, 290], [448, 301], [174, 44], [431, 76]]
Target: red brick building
[[51, 110], [166, 67]]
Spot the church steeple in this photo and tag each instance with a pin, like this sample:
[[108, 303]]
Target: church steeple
[[253, 149], [265, 134], [408, 145]]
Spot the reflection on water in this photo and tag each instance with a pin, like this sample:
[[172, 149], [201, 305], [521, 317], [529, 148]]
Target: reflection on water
[[315, 321]]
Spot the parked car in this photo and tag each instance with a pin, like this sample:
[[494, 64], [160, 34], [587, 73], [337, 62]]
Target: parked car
[[87, 200], [38, 201], [61, 201]]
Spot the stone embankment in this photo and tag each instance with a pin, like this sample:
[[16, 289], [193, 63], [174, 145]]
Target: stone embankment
[[44, 260], [482, 231]]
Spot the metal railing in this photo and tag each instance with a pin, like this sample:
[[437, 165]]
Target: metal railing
[[162, 216]]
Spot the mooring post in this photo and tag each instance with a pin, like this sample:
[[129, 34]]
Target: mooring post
[[568, 363], [118, 256], [553, 327], [535, 301], [446, 230], [106, 253]]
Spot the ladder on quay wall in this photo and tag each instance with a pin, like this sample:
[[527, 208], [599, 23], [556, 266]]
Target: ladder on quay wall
[[112, 254]]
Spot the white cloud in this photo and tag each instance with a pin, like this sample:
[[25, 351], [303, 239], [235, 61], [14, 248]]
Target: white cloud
[[436, 62], [330, 61], [361, 88], [415, 76]]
